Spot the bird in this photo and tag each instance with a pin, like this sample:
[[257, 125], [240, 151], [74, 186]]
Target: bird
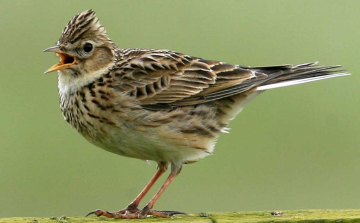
[[157, 105]]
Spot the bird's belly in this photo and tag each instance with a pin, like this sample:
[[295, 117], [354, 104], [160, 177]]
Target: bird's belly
[[144, 145]]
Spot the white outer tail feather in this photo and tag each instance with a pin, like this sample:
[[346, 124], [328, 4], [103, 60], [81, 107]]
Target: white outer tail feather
[[300, 81]]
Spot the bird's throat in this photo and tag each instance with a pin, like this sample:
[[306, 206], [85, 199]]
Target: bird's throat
[[69, 83]]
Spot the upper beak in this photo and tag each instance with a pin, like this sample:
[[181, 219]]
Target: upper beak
[[66, 60]]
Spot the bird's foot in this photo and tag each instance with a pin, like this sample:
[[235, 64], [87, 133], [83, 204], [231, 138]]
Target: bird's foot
[[134, 213]]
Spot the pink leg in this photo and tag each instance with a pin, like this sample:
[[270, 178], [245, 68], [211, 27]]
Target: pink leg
[[135, 203], [150, 205], [132, 210]]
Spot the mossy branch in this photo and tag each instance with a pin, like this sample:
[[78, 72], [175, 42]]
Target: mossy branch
[[336, 216]]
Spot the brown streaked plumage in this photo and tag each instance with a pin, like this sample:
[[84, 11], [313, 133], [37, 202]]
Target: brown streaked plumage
[[156, 104]]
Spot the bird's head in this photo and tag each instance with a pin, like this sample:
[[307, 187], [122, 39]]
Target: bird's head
[[84, 47]]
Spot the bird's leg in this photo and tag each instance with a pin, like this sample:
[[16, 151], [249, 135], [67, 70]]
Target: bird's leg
[[132, 207], [132, 211], [175, 170]]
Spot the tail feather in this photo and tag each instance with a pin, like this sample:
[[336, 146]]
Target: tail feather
[[299, 74], [261, 78]]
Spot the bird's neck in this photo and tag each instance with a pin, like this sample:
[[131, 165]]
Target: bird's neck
[[69, 84]]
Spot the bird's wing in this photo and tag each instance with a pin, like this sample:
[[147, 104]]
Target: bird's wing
[[162, 79]]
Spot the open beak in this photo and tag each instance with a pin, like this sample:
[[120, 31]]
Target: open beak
[[66, 60]]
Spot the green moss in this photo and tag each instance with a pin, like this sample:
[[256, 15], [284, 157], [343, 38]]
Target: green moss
[[305, 216]]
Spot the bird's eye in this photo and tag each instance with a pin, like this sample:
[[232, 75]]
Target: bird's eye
[[88, 47]]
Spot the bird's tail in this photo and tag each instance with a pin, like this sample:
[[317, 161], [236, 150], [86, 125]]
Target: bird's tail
[[287, 75]]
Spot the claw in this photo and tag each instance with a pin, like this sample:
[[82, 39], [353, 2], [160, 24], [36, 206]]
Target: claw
[[136, 213], [171, 213], [99, 213], [164, 214], [93, 212]]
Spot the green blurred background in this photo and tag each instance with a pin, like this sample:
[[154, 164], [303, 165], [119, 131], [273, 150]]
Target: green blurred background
[[291, 148]]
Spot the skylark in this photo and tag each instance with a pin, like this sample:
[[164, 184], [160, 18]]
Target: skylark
[[153, 104]]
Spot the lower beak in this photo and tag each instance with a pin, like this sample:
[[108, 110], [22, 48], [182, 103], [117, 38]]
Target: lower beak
[[66, 60]]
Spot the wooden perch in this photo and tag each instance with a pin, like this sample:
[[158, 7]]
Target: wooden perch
[[336, 216]]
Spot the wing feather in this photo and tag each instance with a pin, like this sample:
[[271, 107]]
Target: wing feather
[[163, 79], [167, 77]]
